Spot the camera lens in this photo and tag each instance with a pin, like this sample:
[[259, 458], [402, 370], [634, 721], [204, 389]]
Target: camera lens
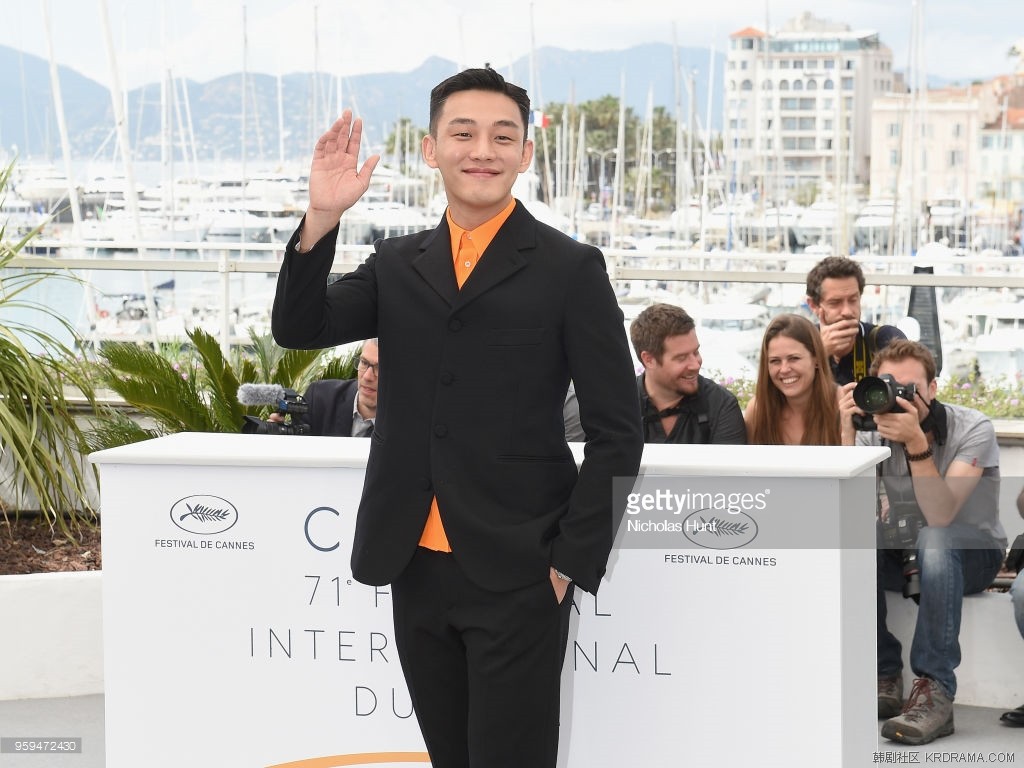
[[873, 395]]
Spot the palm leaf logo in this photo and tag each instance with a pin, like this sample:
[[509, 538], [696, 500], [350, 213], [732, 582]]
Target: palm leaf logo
[[204, 514]]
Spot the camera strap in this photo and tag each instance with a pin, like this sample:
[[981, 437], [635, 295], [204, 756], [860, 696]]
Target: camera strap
[[864, 348], [935, 422]]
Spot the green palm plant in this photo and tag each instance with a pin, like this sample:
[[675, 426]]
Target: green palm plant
[[201, 394], [40, 441]]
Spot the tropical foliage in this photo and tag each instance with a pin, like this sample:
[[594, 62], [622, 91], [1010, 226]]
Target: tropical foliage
[[41, 444], [194, 388]]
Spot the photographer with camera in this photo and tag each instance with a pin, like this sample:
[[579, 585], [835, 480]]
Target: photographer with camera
[[336, 407], [939, 529], [834, 288]]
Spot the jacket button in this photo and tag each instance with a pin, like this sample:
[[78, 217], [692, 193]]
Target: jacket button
[[440, 430], [447, 378], [455, 324]]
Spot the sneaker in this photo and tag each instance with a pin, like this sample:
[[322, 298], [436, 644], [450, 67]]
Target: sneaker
[[890, 696], [927, 716]]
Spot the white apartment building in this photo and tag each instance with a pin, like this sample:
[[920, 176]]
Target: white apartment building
[[797, 112]]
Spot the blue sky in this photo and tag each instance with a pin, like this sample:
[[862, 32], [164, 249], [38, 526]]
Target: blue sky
[[203, 39]]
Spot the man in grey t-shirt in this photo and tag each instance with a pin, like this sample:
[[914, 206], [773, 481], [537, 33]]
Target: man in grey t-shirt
[[942, 483]]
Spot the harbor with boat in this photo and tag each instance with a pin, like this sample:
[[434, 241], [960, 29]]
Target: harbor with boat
[[720, 206]]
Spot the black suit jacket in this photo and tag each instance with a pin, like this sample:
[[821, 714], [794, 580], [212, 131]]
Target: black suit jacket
[[330, 404], [471, 394]]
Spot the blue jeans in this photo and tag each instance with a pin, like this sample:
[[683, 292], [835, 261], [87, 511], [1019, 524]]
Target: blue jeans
[[954, 561], [1017, 596]]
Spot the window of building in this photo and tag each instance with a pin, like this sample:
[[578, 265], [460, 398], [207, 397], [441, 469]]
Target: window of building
[[894, 157], [826, 124], [806, 123], [847, 83], [784, 85], [830, 63], [893, 130], [798, 64], [955, 158], [826, 143], [789, 123], [798, 85], [849, 64], [812, 63], [829, 85], [806, 142], [747, 85], [788, 103], [958, 130], [812, 84], [747, 43], [784, 64], [766, 85], [806, 103]]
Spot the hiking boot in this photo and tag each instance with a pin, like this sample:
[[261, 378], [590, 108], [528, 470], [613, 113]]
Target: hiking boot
[[928, 715], [890, 696]]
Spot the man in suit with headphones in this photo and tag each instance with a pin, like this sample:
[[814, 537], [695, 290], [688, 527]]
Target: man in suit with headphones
[[473, 507]]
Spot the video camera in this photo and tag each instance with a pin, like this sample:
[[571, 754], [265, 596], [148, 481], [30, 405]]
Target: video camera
[[900, 531], [877, 394], [286, 402]]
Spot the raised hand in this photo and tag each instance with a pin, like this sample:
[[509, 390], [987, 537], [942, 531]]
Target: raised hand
[[839, 337], [335, 180]]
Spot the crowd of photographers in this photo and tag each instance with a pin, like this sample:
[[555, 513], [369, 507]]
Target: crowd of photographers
[[841, 381]]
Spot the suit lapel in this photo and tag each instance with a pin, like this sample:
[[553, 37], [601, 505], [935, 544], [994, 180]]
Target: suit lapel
[[503, 257], [434, 262]]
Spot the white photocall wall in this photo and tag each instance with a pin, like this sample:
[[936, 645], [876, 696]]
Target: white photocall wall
[[234, 634]]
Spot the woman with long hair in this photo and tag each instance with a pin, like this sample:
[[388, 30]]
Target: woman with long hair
[[795, 400]]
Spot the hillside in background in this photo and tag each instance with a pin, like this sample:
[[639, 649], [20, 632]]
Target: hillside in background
[[28, 124]]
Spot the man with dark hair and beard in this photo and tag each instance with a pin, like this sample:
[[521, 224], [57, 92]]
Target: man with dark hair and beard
[[677, 404]]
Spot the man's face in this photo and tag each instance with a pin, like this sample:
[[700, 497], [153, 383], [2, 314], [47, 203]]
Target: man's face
[[840, 300], [676, 373], [911, 371], [367, 376], [479, 151]]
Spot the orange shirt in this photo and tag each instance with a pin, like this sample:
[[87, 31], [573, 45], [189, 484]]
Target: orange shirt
[[468, 248]]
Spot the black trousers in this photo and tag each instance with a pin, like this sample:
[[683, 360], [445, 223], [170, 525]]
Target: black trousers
[[483, 668]]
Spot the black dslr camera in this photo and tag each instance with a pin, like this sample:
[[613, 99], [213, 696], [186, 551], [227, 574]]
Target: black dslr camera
[[900, 532], [288, 403], [877, 394]]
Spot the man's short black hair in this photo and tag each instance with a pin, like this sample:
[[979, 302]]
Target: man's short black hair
[[483, 79]]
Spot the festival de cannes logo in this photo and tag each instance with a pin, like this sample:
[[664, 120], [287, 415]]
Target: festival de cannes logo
[[205, 515], [720, 530]]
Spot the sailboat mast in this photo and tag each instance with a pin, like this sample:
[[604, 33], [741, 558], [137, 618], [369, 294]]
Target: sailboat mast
[[131, 194]]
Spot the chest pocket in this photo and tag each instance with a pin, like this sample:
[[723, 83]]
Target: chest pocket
[[515, 337]]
